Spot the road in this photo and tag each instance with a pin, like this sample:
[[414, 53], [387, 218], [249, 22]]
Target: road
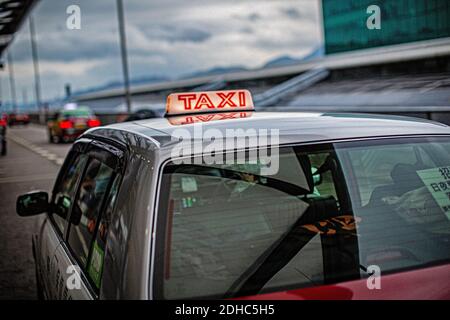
[[31, 164]]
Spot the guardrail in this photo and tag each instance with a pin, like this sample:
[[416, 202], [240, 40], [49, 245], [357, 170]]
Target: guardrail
[[295, 84]]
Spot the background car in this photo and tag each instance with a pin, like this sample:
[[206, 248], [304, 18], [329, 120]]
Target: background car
[[142, 114], [67, 125], [18, 118], [3, 123]]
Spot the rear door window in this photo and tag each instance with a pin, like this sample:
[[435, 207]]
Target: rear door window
[[65, 191], [86, 209], [96, 258]]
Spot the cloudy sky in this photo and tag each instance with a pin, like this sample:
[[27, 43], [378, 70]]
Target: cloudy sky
[[168, 38]]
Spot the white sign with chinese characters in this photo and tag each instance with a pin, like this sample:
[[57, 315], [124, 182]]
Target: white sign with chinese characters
[[437, 181]]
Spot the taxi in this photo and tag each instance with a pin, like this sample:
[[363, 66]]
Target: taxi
[[69, 123], [217, 200], [15, 118]]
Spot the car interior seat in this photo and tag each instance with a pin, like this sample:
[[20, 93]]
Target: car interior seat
[[404, 179]]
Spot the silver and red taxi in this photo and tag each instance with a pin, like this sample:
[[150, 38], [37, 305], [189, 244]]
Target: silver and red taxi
[[219, 201]]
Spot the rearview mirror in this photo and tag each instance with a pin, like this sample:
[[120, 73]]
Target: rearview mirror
[[32, 203], [317, 177]]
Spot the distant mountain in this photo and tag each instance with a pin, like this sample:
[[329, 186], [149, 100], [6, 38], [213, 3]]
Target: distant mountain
[[276, 62], [288, 60], [317, 53], [281, 61], [152, 79], [214, 71]]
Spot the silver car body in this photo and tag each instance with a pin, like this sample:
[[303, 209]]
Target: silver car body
[[147, 145]]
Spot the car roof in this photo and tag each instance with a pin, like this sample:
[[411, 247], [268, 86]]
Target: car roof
[[293, 127], [77, 109]]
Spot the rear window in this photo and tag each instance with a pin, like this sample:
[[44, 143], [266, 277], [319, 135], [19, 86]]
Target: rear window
[[329, 212]]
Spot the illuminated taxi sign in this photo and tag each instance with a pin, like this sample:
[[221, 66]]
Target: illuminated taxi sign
[[209, 101], [220, 116]]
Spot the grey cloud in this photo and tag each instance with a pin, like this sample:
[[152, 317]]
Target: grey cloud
[[254, 16], [187, 35], [292, 13], [61, 48], [167, 37]]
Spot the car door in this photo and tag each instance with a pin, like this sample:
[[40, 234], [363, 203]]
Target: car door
[[54, 225], [80, 255]]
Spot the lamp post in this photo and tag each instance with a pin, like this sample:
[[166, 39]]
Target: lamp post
[[11, 80], [123, 51], [34, 53]]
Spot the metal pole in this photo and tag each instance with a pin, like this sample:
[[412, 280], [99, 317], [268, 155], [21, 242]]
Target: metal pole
[[24, 96], [34, 53], [12, 84], [1, 94], [123, 51]]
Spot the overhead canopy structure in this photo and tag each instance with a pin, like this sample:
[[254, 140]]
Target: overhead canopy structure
[[12, 14]]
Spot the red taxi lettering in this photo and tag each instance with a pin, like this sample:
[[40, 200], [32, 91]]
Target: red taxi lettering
[[209, 101], [242, 99], [186, 99], [226, 99], [183, 120], [206, 118], [204, 100]]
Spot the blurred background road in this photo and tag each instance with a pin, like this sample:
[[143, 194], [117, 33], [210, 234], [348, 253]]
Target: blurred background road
[[31, 164]]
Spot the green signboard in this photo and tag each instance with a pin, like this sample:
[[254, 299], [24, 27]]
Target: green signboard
[[401, 21]]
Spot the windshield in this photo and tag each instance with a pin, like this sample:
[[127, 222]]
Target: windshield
[[329, 213]]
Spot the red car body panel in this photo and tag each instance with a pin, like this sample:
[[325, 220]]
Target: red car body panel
[[424, 284]]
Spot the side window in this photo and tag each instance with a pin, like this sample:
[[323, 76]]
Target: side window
[[379, 168], [86, 209], [95, 262], [65, 191]]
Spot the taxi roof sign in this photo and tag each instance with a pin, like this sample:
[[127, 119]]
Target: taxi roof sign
[[209, 101]]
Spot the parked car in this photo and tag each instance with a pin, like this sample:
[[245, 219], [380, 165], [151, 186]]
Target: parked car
[[18, 118], [3, 124], [142, 114], [150, 210], [67, 125]]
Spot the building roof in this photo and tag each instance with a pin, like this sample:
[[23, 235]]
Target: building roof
[[12, 14], [367, 57]]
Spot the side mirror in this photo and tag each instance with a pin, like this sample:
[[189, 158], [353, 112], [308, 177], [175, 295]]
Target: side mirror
[[32, 203]]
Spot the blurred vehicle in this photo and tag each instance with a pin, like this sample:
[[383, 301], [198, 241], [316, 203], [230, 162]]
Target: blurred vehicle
[[139, 111], [142, 114], [341, 195], [3, 124], [15, 118], [68, 124]]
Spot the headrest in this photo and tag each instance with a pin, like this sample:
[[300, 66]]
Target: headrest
[[405, 175]]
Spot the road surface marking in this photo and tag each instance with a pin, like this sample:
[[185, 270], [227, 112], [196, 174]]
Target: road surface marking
[[40, 151], [35, 177]]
